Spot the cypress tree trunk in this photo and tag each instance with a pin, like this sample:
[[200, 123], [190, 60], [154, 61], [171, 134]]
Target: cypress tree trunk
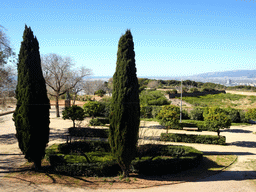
[[31, 115], [125, 107]]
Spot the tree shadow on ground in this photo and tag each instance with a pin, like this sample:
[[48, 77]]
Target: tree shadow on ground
[[236, 131], [249, 144], [208, 170], [57, 134], [8, 162], [154, 127], [8, 139]]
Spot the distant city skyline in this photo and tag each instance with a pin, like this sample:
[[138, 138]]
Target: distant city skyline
[[171, 38]]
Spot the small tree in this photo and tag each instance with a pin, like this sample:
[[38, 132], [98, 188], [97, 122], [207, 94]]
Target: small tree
[[217, 119], [169, 116], [31, 115], [125, 107], [74, 113], [93, 108]]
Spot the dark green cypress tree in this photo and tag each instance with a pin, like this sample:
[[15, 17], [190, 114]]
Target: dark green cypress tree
[[125, 108], [31, 115]]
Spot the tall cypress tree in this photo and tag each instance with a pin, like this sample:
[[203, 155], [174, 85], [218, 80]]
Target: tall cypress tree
[[31, 115], [125, 108]]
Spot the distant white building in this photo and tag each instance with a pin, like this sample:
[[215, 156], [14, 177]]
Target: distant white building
[[229, 82]]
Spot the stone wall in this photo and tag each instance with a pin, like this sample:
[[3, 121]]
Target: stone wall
[[171, 95]]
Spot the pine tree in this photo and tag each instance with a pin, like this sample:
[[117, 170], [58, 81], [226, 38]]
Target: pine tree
[[125, 108], [31, 115]]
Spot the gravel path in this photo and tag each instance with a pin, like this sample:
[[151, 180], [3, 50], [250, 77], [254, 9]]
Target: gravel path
[[241, 141]]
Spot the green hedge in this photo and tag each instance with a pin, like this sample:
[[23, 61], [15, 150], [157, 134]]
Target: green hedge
[[162, 159], [165, 159], [206, 139]]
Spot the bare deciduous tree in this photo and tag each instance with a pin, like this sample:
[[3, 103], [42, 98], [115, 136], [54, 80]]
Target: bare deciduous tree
[[7, 81], [59, 75], [91, 86]]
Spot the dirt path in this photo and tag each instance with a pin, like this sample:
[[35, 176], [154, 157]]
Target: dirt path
[[241, 141]]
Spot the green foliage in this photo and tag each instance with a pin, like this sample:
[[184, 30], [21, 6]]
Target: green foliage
[[196, 114], [125, 108], [74, 113], [218, 100], [193, 90], [93, 108], [205, 139], [149, 97], [31, 115], [215, 119], [174, 91], [185, 114], [251, 114], [233, 114], [100, 92], [169, 116], [99, 121], [165, 159]]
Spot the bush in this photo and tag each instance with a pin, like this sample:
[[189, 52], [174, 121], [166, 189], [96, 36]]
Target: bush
[[206, 139], [173, 91], [156, 110], [165, 159], [146, 112], [196, 114], [149, 97], [193, 90], [251, 114], [93, 108], [185, 114], [233, 114], [100, 92], [99, 121]]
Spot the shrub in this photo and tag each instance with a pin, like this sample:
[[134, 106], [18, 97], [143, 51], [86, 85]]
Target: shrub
[[251, 114], [196, 114], [145, 111], [243, 119], [173, 91], [233, 114], [206, 139], [165, 159], [100, 92], [156, 110], [149, 97], [193, 90], [93, 108], [99, 121], [185, 114]]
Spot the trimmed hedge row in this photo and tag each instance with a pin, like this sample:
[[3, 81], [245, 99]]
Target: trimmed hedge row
[[205, 139], [162, 159]]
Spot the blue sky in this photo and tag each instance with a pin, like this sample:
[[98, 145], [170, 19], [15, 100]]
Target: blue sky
[[171, 37]]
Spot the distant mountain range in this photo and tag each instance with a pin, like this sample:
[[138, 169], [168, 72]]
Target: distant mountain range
[[227, 74]]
